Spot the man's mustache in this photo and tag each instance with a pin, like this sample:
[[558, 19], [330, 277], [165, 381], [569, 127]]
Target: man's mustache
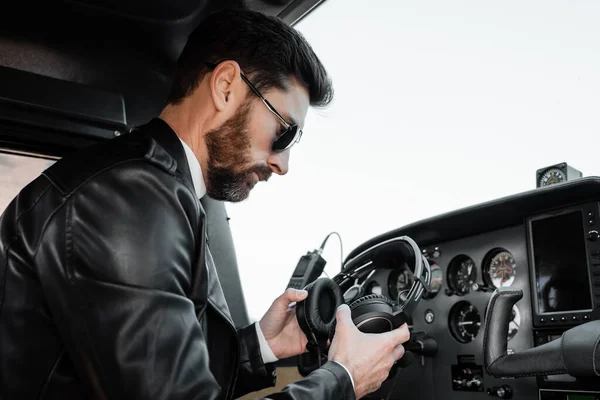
[[263, 172]]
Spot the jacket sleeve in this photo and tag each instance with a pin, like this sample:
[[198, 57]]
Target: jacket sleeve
[[331, 381], [115, 263], [253, 373]]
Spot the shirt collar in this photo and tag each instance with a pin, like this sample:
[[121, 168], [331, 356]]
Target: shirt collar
[[195, 170]]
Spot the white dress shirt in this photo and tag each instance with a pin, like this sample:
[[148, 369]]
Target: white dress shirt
[[200, 187], [194, 165]]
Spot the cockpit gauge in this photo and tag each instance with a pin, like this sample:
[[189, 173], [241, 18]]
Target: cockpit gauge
[[400, 281], [500, 268], [465, 322], [461, 274], [437, 276], [556, 173], [552, 176]]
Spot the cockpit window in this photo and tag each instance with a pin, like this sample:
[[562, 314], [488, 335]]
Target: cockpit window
[[16, 171], [437, 107]]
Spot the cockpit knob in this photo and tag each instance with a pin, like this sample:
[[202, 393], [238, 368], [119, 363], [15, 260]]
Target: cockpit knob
[[593, 236], [504, 392]]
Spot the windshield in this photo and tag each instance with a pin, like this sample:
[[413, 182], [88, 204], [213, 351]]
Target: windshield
[[16, 171], [439, 105]]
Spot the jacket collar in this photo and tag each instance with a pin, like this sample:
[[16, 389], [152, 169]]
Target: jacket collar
[[164, 135]]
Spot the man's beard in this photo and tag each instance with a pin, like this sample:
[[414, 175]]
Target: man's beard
[[230, 170]]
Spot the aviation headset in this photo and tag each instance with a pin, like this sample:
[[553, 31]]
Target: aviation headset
[[372, 313]]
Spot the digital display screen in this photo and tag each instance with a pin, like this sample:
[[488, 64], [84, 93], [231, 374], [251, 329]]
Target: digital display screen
[[300, 268], [560, 263]]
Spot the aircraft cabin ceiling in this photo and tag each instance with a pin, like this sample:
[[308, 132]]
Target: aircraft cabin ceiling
[[117, 56]]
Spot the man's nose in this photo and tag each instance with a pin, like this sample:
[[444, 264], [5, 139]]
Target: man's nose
[[279, 162]]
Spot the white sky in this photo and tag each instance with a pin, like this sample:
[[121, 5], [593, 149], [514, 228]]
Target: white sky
[[439, 105]]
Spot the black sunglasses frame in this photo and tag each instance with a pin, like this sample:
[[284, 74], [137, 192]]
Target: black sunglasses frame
[[290, 135]]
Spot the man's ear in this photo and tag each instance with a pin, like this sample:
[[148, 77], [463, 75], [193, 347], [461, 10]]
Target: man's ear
[[223, 82]]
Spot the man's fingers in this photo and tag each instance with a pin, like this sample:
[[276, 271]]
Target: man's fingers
[[398, 352], [343, 315], [399, 335]]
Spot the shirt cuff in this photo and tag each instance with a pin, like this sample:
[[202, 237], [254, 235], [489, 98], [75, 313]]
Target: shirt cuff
[[348, 371], [265, 350]]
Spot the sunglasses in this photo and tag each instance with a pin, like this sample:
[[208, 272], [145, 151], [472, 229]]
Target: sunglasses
[[290, 134]]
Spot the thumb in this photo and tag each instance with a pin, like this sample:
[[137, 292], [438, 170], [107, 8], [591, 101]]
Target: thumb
[[294, 295], [343, 315]]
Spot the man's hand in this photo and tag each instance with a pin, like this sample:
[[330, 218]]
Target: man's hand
[[368, 356], [280, 326]]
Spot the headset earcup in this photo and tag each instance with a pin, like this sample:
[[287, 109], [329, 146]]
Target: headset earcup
[[316, 313], [372, 314]]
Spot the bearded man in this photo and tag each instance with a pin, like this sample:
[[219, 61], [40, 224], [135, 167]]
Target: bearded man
[[107, 286]]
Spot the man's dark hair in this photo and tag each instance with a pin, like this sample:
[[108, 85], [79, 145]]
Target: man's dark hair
[[267, 50]]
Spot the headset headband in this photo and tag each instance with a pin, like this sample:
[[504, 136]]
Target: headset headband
[[363, 263]]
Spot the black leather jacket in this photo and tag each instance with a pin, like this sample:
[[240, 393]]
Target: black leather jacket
[[108, 290]]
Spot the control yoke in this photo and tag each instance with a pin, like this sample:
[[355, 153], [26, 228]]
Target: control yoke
[[576, 352]]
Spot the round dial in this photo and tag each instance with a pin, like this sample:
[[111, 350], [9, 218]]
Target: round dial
[[552, 176], [461, 274], [400, 280], [500, 268], [515, 321], [465, 322], [437, 276]]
